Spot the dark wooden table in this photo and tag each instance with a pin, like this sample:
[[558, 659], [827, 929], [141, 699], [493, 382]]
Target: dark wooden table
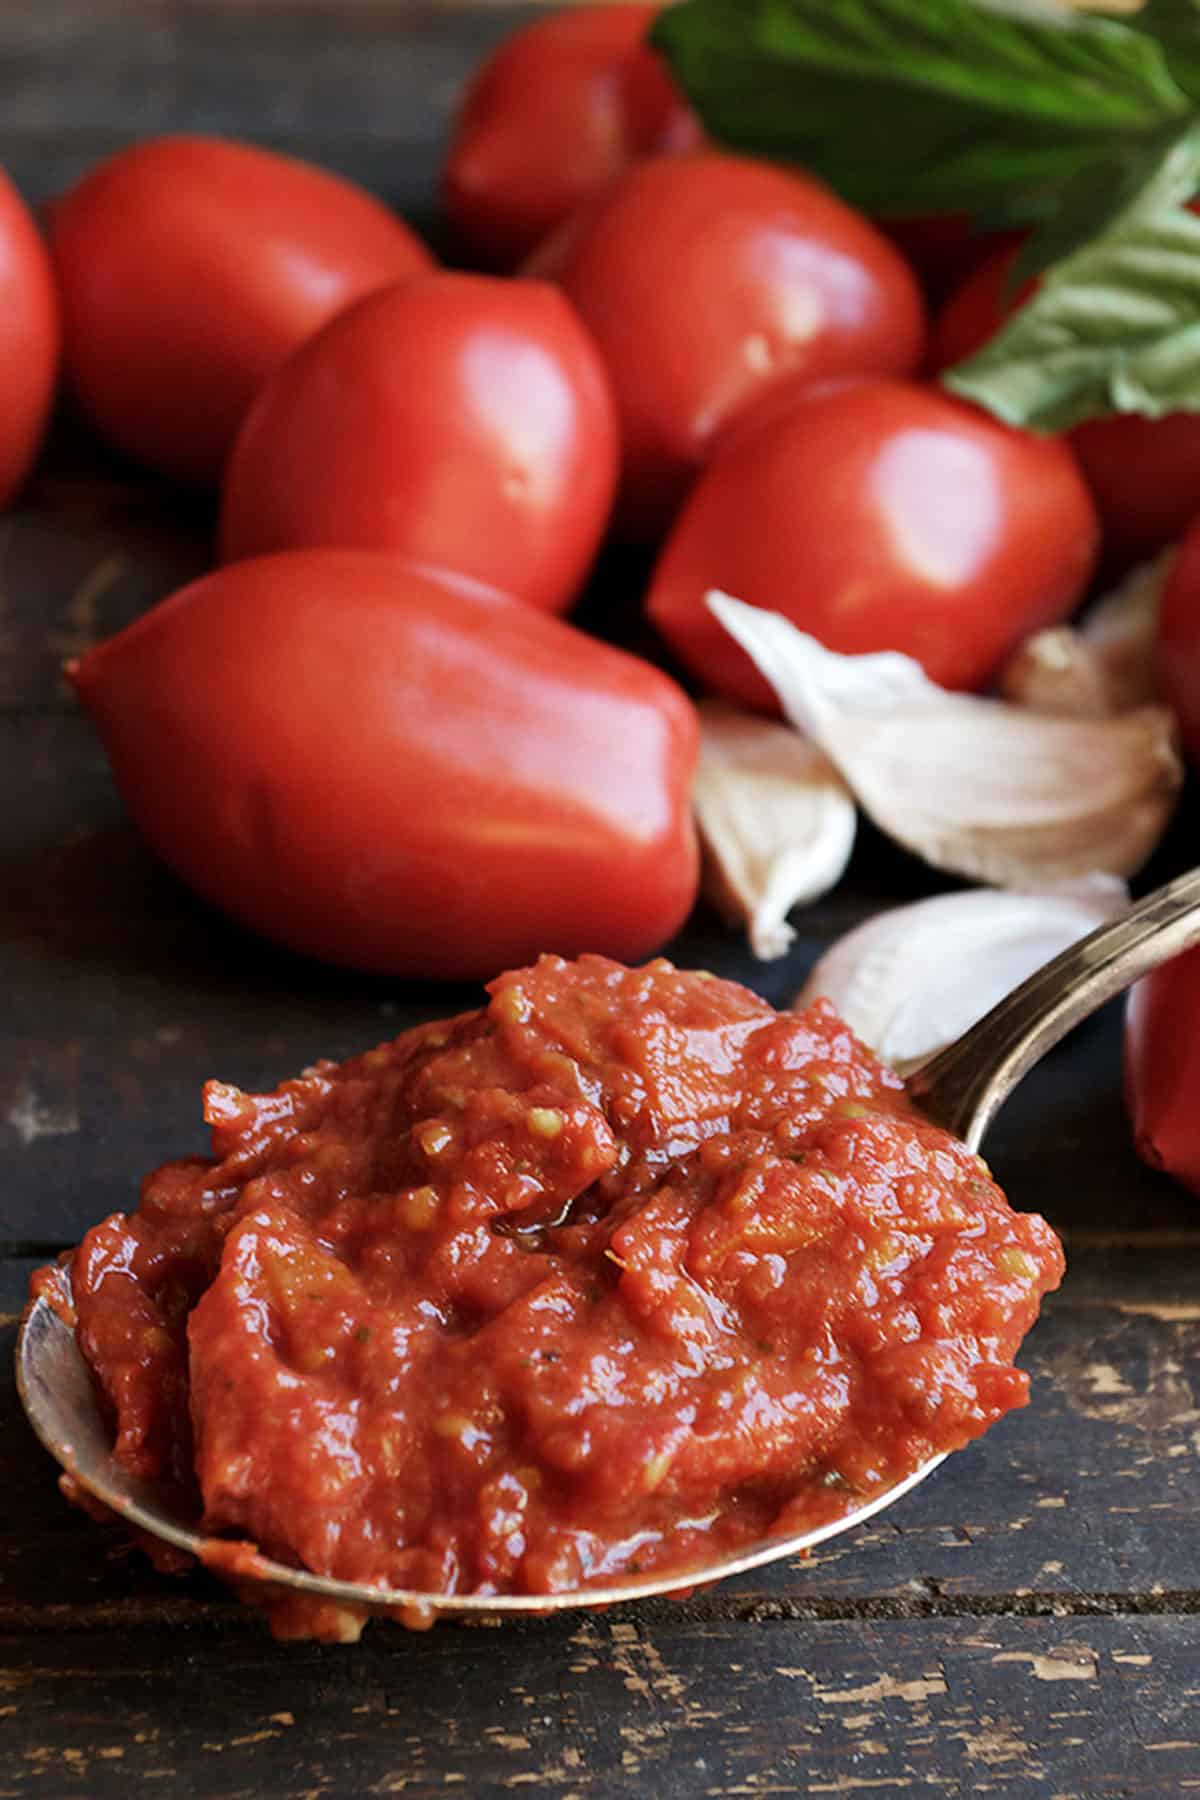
[[1025, 1624]]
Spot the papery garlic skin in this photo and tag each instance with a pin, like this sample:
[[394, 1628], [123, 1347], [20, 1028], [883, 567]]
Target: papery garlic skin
[[1105, 665], [1057, 672], [911, 980], [776, 822], [983, 789]]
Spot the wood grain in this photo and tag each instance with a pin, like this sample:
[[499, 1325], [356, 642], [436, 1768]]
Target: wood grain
[[365, 88], [613, 1706]]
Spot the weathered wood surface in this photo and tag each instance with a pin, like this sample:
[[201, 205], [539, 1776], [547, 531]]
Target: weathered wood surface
[[1024, 1624], [1024, 1708], [364, 86]]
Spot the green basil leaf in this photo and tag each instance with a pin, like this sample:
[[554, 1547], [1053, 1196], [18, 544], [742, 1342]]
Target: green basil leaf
[[925, 105], [1105, 190], [1175, 27], [1114, 327]]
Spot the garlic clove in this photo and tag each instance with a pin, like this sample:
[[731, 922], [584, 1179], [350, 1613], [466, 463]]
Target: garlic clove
[[776, 820], [991, 791], [911, 980], [1058, 672], [1122, 628], [1104, 665]]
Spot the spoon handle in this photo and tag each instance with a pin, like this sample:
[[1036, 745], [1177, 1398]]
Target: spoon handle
[[963, 1086]]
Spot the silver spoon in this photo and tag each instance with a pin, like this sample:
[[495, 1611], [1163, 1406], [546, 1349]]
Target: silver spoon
[[961, 1089]]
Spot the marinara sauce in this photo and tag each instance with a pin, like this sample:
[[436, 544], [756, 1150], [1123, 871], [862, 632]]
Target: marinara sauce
[[618, 1273]]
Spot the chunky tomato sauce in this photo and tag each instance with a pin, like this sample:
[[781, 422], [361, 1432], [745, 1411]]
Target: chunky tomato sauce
[[361, 1339]]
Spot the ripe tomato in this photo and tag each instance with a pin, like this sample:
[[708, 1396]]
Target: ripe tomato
[[878, 515], [28, 339], [1144, 473], [1162, 1068], [396, 774], [944, 247], [559, 110], [461, 420], [189, 268], [1178, 647], [705, 279], [976, 310]]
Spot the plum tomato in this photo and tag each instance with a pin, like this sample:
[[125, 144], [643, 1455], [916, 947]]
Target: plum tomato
[[976, 310], [394, 773], [878, 515], [189, 268], [1178, 646], [556, 113], [1162, 1068], [1143, 473], [943, 248], [29, 336], [705, 279], [462, 420]]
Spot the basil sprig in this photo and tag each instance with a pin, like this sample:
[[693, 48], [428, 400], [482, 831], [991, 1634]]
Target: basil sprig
[[1086, 128]]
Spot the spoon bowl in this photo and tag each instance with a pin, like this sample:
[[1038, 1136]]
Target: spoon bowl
[[960, 1089], [56, 1392]]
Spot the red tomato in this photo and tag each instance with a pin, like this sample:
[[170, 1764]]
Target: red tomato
[[1144, 473], [1162, 1068], [976, 310], [461, 420], [944, 247], [705, 279], [393, 774], [1178, 649], [1145, 476], [189, 268], [559, 110], [28, 339], [879, 515]]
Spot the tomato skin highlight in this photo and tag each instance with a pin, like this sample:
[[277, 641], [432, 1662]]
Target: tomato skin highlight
[[706, 279], [878, 515], [394, 774], [559, 110], [1162, 1068], [29, 339], [1144, 473], [463, 421], [189, 268]]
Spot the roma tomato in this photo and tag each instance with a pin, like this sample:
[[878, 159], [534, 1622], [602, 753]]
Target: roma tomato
[[943, 248], [392, 773], [1144, 473], [1178, 647], [1145, 476], [28, 339], [189, 268], [976, 310], [559, 110], [878, 515], [1162, 1068], [461, 420], [707, 278]]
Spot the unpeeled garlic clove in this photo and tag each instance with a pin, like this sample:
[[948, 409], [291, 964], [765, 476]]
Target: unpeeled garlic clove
[[991, 791], [913, 979], [1122, 629], [1058, 672], [776, 820], [1104, 665]]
